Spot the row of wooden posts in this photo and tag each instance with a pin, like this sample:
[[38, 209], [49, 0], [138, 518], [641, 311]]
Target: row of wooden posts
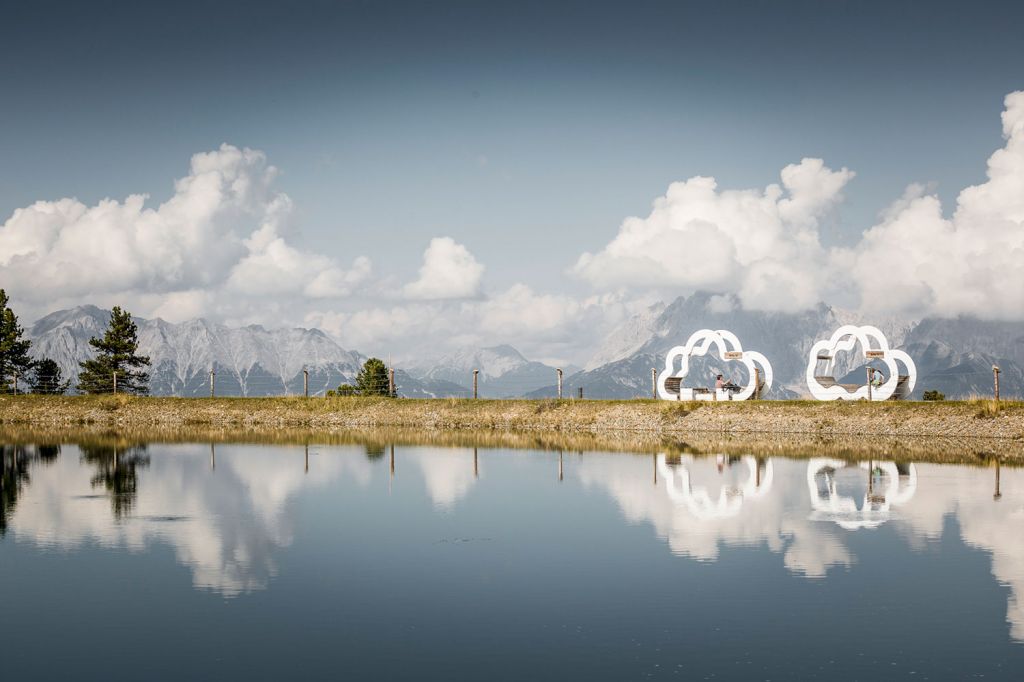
[[476, 373]]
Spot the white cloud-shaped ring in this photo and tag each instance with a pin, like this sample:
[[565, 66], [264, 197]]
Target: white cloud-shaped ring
[[729, 349], [874, 346]]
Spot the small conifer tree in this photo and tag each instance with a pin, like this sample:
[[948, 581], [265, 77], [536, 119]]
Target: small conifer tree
[[117, 352], [14, 357], [373, 378], [48, 379]]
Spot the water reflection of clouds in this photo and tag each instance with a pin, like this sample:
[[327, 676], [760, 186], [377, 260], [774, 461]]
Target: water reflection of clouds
[[448, 473], [699, 506], [225, 523]]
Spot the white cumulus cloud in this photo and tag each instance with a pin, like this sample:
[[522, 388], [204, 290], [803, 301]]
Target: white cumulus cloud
[[760, 244], [449, 271], [763, 245], [917, 260], [220, 232]]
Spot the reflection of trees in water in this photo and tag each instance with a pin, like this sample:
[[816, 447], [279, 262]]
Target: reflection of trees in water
[[117, 472], [16, 462]]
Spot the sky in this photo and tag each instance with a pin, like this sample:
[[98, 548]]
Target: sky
[[468, 173]]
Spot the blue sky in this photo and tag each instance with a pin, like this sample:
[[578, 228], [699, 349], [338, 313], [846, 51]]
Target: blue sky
[[526, 132]]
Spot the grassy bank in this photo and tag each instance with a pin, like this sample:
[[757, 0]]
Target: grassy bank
[[951, 419]]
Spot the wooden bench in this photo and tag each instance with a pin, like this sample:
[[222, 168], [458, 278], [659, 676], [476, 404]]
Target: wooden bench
[[831, 381]]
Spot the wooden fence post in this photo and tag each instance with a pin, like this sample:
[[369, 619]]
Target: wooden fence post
[[870, 397], [391, 382], [305, 383], [581, 393], [476, 373], [654, 383], [559, 370], [995, 380], [115, 383], [213, 382], [757, 383]]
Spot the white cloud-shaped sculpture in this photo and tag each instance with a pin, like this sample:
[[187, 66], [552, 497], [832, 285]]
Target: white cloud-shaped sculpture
[[874, 346], [729, 349], [876, 505]]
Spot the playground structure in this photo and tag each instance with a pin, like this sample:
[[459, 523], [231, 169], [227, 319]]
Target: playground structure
[[874, 346], [706, 506], [759, 370], [889, 485]]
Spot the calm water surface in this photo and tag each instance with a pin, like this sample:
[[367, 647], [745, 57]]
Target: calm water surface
[[352, 562]]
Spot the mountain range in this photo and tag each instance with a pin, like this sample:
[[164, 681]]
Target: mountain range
[[954, 356]]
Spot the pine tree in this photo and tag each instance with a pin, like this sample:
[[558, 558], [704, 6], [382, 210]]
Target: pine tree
[[48, 379], [116, 352], [14, 357], [373, 378]]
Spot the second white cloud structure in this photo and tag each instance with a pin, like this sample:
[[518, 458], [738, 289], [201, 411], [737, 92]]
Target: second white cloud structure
[[873, 346], [729, 350]]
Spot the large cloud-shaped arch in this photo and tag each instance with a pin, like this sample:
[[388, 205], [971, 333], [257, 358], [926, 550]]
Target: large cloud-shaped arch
[[729, 349], [874, 346]]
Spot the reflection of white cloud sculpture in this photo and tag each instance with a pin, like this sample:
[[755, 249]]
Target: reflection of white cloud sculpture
[[729, 349], [730, 498], [778, 520], [874, 346], [876, 505]]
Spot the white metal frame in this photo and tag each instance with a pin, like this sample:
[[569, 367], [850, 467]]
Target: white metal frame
[[874, 346], [729, 350]]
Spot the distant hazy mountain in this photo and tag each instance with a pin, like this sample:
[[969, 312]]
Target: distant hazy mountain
[[504, 372], [247, 360], [255, 361], [953, 356]]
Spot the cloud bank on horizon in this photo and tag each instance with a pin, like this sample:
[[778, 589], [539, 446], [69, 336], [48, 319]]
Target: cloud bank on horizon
[[763, 245], [220, 247]]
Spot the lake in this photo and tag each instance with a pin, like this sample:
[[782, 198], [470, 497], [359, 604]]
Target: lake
[[126, 560]]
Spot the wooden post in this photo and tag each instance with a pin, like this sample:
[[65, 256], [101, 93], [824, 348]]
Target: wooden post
[[870, 398], [391, 382], [581, 393], [559, 370], [995, 380], [476, 373], [997, 494], [654, 383], [115, 383], [305, 383], [15, 383], [213, 382], [757, 383]]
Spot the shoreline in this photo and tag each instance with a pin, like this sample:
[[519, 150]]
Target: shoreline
[[948, 419]]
